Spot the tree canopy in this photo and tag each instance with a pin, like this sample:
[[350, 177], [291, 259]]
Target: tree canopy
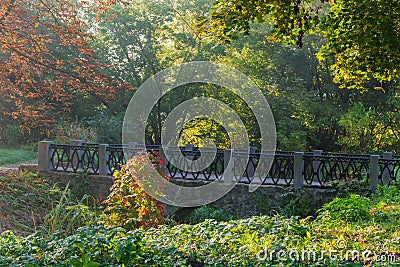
[[362, 36], [66, 65], [46, 62]]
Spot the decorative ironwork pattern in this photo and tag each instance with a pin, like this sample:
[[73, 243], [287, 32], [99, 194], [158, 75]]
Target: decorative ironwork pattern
[[115, 158], [317, 170], [191, 163], [256, 165], [282, 170], [69, 158], [321, 170], [389, 171]]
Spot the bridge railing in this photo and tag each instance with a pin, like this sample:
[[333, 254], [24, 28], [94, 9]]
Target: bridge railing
[[287, 168]]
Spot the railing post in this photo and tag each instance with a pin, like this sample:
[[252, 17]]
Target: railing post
[[75, 161], [228, 166], [103, 157], [373, 171], [189, 147], [298, 171], [388, 169], [44, 155]]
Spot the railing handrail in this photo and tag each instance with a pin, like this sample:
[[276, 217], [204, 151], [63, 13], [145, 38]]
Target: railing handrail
[[316, 168]]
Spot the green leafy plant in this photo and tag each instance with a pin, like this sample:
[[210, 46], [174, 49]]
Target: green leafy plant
[[87, 246], [84, 261], [387, 194], [345, 189], [237, 243], [353, 208]]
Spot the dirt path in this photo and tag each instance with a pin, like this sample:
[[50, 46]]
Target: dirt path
[[16, 166]]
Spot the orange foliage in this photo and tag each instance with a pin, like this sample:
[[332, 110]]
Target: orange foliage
[[128, 204], [45, 61]]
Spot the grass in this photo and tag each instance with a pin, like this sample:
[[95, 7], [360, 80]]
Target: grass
[[15, 156], [24, 201]]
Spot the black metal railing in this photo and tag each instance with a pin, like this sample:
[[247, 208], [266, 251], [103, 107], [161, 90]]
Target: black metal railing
[[74, 158], [322, 170], [389, 171], [318, 169]]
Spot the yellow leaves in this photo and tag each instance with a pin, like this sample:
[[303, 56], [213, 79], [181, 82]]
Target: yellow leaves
[[272, 38], [142, 210]]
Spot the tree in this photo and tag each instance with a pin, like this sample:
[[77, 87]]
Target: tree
[[46, 63], [362, 36], [144, 37]]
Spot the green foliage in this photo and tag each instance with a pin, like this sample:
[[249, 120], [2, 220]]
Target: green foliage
[[357, 122], [386, 208], [108, 128], [353, 208], [345, 189], [128, 205], [226, 243], [100, 127], [208, 212], [11, 136], [15, 156], [388, 194], [290, 19], [68, 214], [362, 36], [86, 247], [295, 204], [64, 132]]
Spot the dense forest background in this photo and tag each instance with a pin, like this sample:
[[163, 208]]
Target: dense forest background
[[69, 69]]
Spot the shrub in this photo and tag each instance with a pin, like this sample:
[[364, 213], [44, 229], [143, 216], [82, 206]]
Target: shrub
[[387, 194], [86, 247], [69, 130], [12, 136], [353, 208], [108, 128], [343, 189], [255, 241], [128, 205]]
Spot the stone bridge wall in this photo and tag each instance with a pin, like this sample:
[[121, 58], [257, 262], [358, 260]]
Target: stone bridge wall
[[239, 201]]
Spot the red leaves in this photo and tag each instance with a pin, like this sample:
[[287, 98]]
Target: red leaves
[[45, 60]]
